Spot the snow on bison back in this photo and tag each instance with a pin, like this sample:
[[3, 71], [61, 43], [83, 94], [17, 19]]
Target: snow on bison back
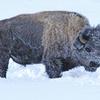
[[46, 37]]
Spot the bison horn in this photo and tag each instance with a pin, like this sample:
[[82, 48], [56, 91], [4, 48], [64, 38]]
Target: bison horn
[[85, 34], [82, 39]]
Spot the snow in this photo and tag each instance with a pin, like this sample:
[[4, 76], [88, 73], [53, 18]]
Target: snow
[[32, 82]]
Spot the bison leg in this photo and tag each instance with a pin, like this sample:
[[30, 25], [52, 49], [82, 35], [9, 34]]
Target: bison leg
[[53, 67], [5, 45], [4, 60]]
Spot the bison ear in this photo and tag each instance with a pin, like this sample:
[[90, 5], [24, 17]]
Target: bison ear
[[85, 34]]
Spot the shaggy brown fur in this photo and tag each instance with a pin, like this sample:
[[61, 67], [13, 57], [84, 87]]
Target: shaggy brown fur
[[46, 37]]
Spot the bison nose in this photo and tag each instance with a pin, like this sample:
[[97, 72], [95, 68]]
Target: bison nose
[[92, 66]]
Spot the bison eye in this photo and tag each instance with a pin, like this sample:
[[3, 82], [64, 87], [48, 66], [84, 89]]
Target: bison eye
[[88, 49]]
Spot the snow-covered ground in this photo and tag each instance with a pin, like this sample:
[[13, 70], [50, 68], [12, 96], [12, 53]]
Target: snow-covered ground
[[31, 82]]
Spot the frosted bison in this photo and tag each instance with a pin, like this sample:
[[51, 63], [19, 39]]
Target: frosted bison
[[46, 37]]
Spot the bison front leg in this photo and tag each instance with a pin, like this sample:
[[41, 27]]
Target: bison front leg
[[4, 60], [53, 67]]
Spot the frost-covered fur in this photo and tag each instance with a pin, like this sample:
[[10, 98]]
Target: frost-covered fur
[[45, 37], [89, 52]]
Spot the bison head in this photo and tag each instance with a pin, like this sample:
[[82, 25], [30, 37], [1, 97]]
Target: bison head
[[88, 48]]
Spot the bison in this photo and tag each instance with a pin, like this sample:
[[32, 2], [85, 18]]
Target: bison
[[50, 37]]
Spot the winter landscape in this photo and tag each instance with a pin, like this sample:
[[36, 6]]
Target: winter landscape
[[32, 82]]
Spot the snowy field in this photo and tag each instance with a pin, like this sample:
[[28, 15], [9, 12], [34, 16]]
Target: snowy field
[[31, 82]]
